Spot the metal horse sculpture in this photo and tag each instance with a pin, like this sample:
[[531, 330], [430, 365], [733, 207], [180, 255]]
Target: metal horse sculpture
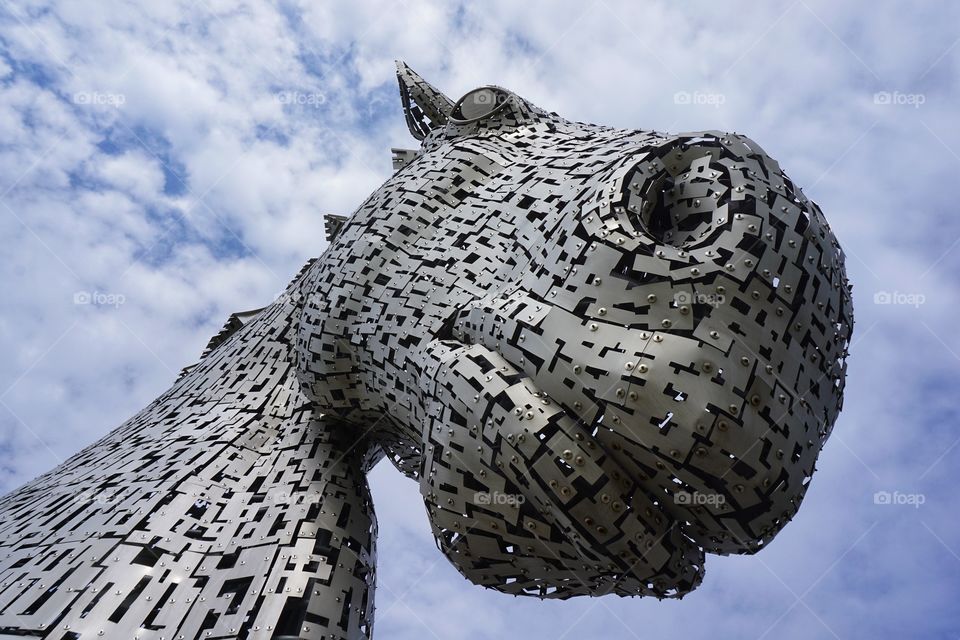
[[601, 353]]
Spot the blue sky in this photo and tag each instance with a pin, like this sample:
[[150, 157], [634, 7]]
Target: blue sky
[[174, 160]]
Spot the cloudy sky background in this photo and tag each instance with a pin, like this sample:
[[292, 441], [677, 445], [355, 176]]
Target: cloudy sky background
[[173, 160]]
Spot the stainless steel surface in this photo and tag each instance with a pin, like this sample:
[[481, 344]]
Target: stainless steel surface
[[601, 353]]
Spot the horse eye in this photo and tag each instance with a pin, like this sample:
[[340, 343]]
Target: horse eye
[[479, 103]]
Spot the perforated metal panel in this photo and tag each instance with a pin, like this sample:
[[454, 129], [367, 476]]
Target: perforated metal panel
[[601, 353]]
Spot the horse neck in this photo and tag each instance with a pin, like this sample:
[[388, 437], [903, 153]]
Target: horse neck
[[229, 484]]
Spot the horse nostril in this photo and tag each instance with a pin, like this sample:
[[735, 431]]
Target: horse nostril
[[654, 214], [673, 194]]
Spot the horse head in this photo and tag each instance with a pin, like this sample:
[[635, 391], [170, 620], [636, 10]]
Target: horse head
[[602, 353]]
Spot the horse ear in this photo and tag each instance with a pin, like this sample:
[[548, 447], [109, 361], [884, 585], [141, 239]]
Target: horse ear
[[424, 107]]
